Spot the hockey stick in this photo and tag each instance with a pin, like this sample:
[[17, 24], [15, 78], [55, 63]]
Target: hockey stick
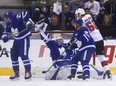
[[53, 64], [55, 74], [100, 73], [12, 35]]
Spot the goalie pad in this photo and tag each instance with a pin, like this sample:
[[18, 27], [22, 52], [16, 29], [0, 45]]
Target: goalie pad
[[61, 74], [64, 72]]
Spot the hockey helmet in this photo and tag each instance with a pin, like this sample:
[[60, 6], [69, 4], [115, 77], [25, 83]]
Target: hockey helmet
[[8, 14], [56, 36], [78, 21], [79, 12]]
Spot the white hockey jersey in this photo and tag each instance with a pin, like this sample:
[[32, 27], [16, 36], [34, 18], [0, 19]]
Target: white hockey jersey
[[90, 24]]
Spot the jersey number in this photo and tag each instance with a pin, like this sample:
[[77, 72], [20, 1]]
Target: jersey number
[[91, 25]]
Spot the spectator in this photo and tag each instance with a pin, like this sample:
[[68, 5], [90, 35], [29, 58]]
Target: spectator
[[110, 7], [54, 24], [107, 24], [74, 5], [100, 20], [94, 7], [101, 3], [44, 11], [43, 7], [87, 11], [51, 13], [68, 18], [35, 11]]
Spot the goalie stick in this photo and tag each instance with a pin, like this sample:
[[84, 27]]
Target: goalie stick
[[55, 74], [53, 63]]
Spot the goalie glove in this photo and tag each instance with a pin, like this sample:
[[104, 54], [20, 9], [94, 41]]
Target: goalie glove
[[41, 27], [29, 25]]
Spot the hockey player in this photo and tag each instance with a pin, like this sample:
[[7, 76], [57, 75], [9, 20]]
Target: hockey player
[[86, 50], [18, 26], [96, 35], [54, 43]]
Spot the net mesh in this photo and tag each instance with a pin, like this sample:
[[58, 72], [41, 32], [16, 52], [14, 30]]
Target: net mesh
[[64, 34]]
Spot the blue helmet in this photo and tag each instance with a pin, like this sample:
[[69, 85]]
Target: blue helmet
[[8, 14], [78, 21]]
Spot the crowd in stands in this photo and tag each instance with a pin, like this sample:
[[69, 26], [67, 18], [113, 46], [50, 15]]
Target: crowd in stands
[[103, 12]]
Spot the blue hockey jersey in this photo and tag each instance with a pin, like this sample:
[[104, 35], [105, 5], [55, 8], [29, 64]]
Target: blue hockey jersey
[[84, 36], [57, 50], [18, 24]]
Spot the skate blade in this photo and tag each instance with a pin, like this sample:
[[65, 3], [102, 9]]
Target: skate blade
[[15, 79], [28, 79], [80, 79]]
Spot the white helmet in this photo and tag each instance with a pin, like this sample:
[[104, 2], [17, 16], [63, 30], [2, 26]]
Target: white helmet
[[79, 12], [56, 36]]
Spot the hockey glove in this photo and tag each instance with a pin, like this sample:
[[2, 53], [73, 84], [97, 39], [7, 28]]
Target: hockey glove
[[29, 25], [41, 27], [5, 39], [73, 52]]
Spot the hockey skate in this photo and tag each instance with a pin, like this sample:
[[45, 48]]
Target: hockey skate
[[71, 77], [15, 76], [108, 74], [28, 75], [84, 77]]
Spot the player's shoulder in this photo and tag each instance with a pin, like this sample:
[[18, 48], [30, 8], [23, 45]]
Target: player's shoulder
[[87, 17], [84, 29]]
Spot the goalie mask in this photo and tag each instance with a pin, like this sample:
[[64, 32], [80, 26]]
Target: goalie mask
[[57, 37], [79, 12]]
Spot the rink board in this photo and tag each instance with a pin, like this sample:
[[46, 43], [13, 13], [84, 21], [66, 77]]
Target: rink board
[[40, 58]]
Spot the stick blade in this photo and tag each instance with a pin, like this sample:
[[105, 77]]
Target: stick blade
[[44, 71]]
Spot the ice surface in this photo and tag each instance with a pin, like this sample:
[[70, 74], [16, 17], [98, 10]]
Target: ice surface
[[4, 81]]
